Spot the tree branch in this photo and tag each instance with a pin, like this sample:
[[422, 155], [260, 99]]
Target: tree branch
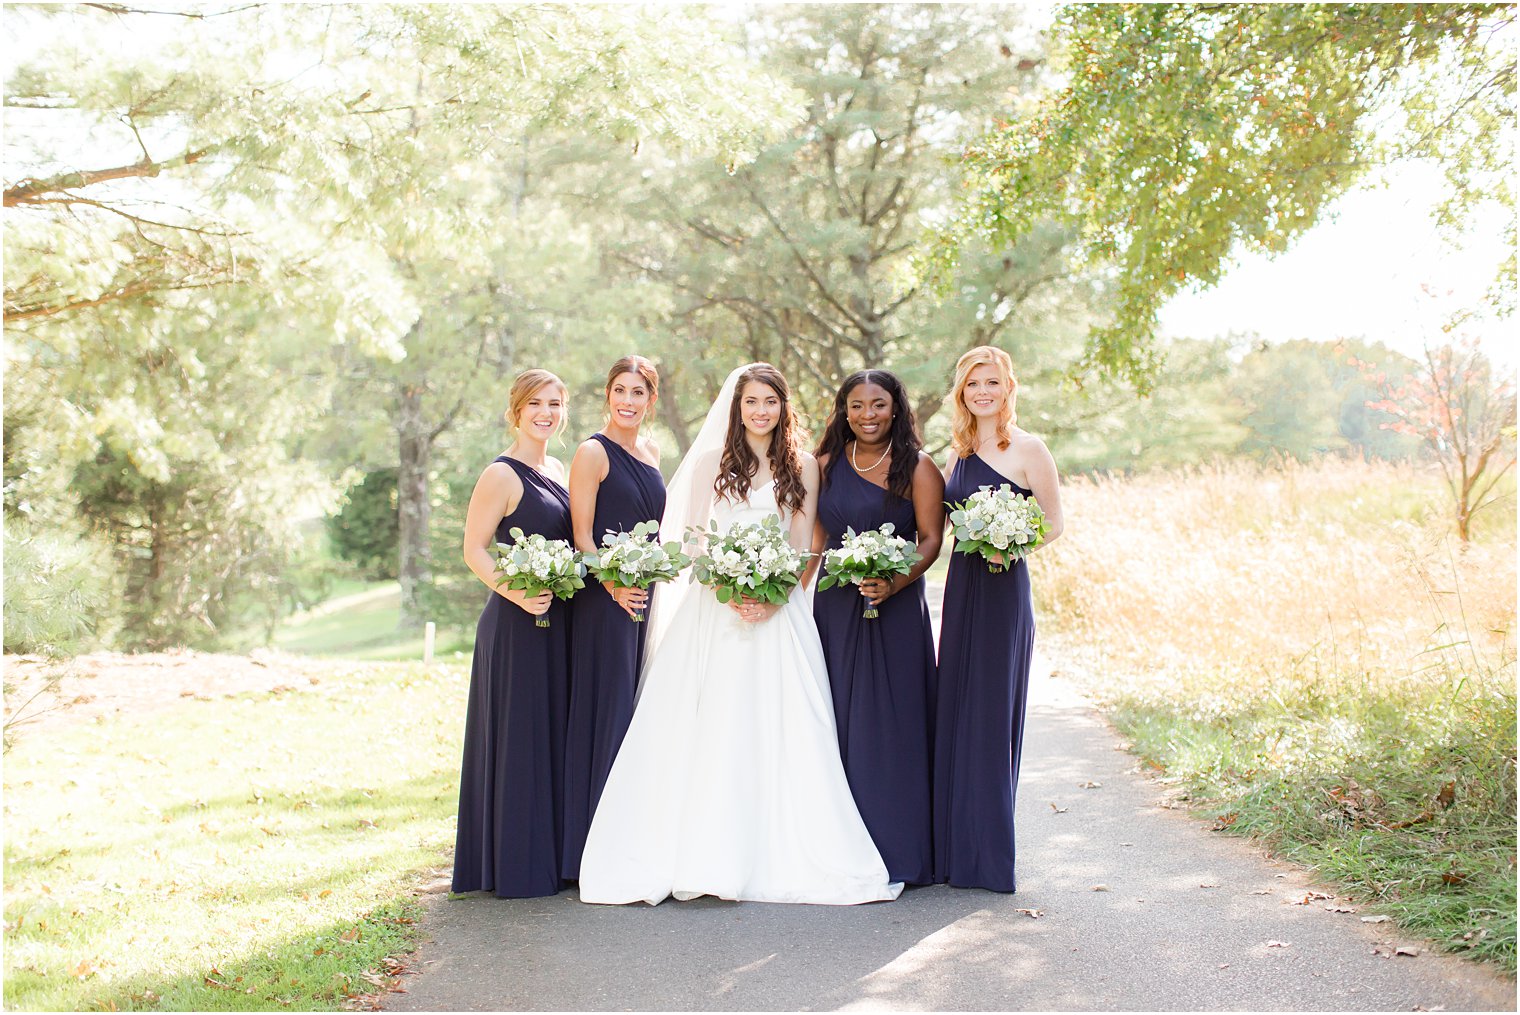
[[31, 190]]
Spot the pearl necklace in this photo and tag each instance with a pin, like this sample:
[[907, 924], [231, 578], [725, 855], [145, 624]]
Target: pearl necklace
[[856, 462]]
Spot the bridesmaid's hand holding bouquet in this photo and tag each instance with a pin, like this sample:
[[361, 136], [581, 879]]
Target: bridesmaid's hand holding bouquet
[[863, 555], [1000, 525], [535, 565], [636, 560], [752, 561]]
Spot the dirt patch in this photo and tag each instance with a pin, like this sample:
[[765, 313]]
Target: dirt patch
[[106, 684]]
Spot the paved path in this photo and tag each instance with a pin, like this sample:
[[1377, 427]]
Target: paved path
[[1186, 922]]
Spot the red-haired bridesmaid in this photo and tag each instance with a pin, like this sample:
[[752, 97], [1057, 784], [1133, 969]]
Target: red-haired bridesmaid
[[986, 635]]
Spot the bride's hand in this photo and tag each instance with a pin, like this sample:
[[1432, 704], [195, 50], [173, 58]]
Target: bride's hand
[[752, 611]]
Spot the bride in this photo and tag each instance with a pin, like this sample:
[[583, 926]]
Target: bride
[[729, 781]]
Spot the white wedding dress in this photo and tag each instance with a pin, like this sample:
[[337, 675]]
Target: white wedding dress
[[729, 781]]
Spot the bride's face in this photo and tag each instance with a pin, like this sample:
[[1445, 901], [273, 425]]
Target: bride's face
[[759, 408]]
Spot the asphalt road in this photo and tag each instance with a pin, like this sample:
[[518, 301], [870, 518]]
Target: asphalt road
[[1123, 904]]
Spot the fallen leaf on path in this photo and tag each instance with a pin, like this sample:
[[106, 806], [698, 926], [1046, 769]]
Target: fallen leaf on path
[[1339, 909], [1376, 919], [1100, 888], [1126, 843], [1207, 885], [1279, 944], [1408, 951], [1224, 821], [1058, 810], [1090, 784], [1311, 897], [1033, 914], [1224, 965], [1261, 891]]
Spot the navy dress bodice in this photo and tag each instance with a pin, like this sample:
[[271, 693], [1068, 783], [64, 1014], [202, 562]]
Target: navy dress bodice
[[511, 783], [609, 650], [881, 675], [985, 646]]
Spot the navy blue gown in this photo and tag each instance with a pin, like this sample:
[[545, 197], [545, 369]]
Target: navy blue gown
[[511, 787], [881, 673], [609, 648], [986, 641]]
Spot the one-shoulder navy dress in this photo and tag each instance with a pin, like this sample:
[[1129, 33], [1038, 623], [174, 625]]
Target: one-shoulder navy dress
[[609, 648], [881, 673], [986, 642], [511, 786]]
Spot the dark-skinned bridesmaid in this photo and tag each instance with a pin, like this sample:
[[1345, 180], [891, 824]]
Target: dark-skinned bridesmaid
[[882, 670], [511, 792], [615, 484]]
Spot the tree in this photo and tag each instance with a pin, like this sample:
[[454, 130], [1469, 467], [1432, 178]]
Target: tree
[[1464, 413], [802, 256], [279, 172], [1183, 133]]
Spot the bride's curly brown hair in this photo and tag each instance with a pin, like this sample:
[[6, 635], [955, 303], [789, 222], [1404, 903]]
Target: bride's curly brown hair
[[738, 466]]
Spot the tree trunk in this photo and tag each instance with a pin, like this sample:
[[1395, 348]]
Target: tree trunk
[[416, 447]]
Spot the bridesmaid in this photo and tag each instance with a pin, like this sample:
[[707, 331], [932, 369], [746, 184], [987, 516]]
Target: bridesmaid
[[986, 637], [615, 483], [881, 671], [510, 788]]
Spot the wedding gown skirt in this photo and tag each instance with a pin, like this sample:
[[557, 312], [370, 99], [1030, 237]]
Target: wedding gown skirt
[[729, 781]]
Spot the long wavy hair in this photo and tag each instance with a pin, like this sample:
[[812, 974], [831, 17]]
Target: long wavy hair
[[903, 433], [963, 423], [738, 466]]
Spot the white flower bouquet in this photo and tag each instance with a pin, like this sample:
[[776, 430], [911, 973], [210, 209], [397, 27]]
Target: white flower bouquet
[[861, 555], [536, 565], [753, 560], [998, 524], [636, 560]]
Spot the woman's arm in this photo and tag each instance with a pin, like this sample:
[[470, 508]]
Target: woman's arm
[[587, 470], [820, 537], [1040, 470]]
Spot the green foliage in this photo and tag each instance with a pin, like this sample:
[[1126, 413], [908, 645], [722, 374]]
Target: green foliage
[[1407, 798], [58, 589], [242, 872], [802, 256], [365, 530], [1180, 134]]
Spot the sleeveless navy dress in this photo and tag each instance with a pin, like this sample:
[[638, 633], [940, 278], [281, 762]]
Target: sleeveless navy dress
[[609, 649], [986, 641], [881, 673], [511, 785]]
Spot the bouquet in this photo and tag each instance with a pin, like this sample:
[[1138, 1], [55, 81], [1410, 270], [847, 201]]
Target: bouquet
[[536, 565], [752, 560], [998, 523], [862, 555], [636, 560]]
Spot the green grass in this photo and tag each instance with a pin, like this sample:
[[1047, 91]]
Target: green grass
[[361, 622], [249, 853], [1325, 774]]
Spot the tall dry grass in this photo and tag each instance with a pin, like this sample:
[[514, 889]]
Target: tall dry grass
[[1233, 576], [1309, 653]]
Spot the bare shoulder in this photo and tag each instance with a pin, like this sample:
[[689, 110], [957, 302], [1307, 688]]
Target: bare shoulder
[[1031, 448], [650, 447], [809, 465], [555, 469], [500, 481], [590, 450]]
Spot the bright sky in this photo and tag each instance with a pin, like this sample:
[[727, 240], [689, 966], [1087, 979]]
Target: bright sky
[[1358, 274]]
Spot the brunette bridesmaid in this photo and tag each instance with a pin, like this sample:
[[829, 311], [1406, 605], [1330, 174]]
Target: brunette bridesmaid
[[986, 635], [881, 671], [615, 484], [511, 787]]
